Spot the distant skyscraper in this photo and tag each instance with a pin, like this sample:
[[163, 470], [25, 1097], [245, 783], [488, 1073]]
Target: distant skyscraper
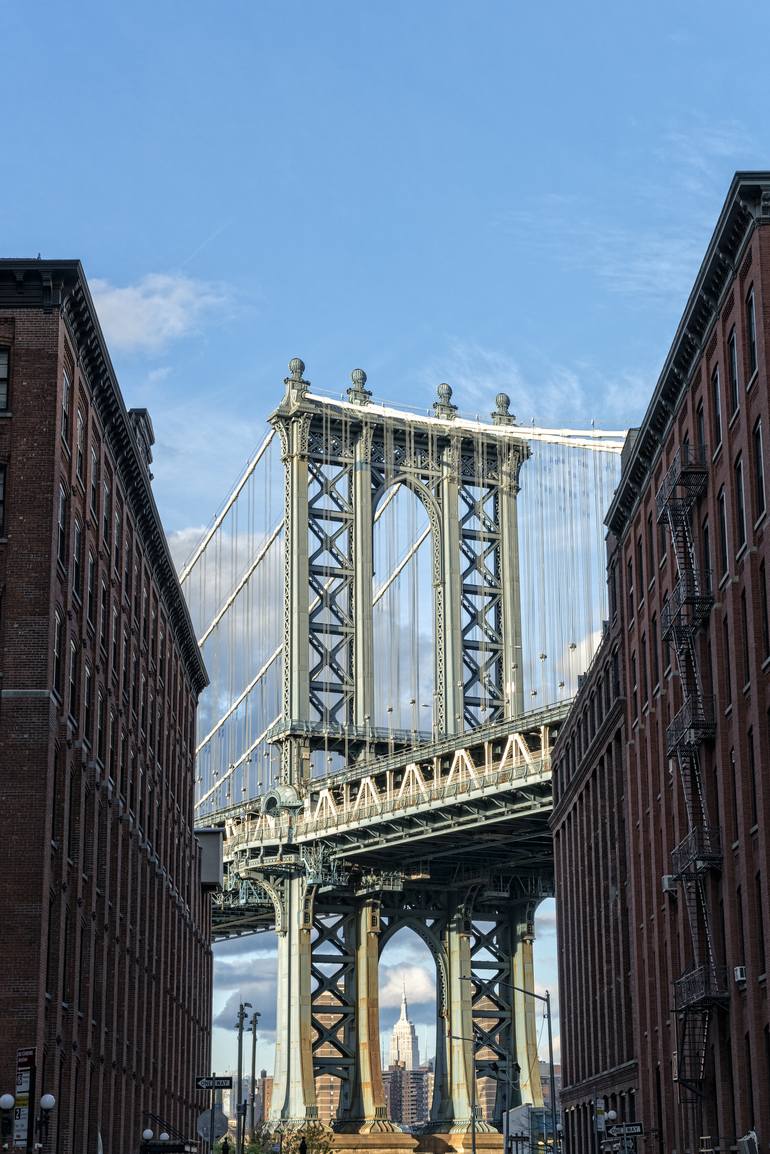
[[404, 1049]]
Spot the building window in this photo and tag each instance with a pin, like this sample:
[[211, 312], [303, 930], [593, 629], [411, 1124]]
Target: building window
[[728, 678], [751, 332], [752, 778], [732, 366], [763, 608], [94, 481], [662, 542], [77, 561], [717, 404], [61, 547], [761, 956], [640, 568], [700, 424], [73, 682], [87, 703], [745, 639], [654, 652], [2, 499], [111, 745], [740, 508], [706, 556], [115, 640], [613, 591], [630, 594], [759, 472], [107, 514], [650, 549], [80, 445], [723, 545], [58, 651], [5, 361], [103, 609], [66, 390], [91, 586], [100, 727], [125, 661], [643, 667], [118, 539], [634, 687]]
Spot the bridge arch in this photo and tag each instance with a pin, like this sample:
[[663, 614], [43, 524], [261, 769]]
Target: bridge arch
[[406, 602]]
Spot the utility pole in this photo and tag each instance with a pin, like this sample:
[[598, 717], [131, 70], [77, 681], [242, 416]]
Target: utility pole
[[240, 1116], [253, 1119]]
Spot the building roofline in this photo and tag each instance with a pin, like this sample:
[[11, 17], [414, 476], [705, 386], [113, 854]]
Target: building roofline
[[62, 285], [747, 205]]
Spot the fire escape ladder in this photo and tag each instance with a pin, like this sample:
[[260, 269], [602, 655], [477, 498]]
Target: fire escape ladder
[[704, 985], [691, 1054]]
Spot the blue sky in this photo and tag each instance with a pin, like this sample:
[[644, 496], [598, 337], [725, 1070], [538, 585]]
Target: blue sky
[[494, 194]]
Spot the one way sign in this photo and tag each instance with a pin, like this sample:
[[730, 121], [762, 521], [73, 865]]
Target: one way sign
[[625, 1130], [215, 1083]]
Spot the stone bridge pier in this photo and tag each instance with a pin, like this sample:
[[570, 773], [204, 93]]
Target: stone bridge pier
[[329, 946]]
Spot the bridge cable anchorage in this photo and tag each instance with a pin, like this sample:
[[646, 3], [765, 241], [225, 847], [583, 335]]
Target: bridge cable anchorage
[[201, 546]]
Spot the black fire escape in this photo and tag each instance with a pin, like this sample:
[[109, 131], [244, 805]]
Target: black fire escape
[[703, 988]]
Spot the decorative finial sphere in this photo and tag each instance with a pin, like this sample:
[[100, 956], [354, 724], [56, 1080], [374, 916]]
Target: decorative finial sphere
[[358, 377], [444, 393], [503, 402], [296, 368]]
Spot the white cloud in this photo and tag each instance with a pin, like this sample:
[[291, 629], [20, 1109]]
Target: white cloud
[[151, 313], [419, 981]]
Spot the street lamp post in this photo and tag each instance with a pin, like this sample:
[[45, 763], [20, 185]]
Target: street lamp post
[[240, 1115], [546, 999], [7, 1103], [47, 1103], [253, 1120]]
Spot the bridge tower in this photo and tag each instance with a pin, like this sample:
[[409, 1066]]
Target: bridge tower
[[334, 897]]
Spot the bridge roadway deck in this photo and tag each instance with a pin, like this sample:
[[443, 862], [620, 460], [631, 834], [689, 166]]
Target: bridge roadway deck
[[475, 806]]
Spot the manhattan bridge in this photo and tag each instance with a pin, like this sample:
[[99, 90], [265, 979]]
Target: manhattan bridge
[[394, 607]]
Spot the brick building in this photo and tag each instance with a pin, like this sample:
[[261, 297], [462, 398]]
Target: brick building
[[682, 779], [106, 960]]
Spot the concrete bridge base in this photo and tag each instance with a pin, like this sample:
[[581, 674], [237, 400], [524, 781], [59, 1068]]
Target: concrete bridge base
[[400, 1143], [487, 1142], [376, 1142]]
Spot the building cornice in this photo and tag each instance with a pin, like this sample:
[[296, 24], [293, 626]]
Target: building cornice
[[747, 205], [62, 286]]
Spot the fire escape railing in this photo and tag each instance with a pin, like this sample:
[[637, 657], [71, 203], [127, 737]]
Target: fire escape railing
[[704, 986]]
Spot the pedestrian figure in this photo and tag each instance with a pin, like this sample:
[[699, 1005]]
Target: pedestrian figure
[[303, 1145]]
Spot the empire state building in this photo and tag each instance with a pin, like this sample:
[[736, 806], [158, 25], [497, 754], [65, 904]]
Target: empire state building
[[404, 1050]]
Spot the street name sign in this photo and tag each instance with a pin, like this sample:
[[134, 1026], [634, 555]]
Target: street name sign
[[625, 1130], [216, 1083]]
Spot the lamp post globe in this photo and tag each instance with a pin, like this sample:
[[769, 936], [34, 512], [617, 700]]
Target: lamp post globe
[[47, 1102], [164, 1137], [147, 1135], [611, 1115], [7, 1101]]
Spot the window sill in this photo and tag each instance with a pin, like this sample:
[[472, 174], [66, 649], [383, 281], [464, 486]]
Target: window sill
[[752, 379], [734, 417], [716, 452], [754, 829], [724, 580], [736, 845], [766, 662], [729, 710], [5, 414], [742, 551], [760, 519]]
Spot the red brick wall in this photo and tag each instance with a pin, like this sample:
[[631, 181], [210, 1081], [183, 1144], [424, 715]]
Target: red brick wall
[[114, 990]]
